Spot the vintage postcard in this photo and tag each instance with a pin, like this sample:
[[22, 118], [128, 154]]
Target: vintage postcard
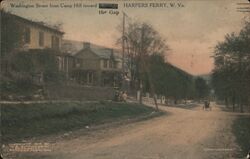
[[125, 79]]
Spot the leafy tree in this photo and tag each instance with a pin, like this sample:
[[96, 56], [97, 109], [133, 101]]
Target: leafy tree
[[179, 84], [142, 40], [11, 39], [201, 87], [11, 33], [169, 80], [231, 79], [146, 51]]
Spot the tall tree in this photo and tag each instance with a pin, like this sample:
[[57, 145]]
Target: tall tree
[[11, 33], [201, 87], [11, 38], [231, 79], [142, 41]]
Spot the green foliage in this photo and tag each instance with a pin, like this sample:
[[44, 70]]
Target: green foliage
[[19, 87], [241, 130], [147, 63], [35, 62], [26, 121], [142, 41], [231, 76], [202, 88], [11, 34], [168, 80], [22, 62], [27, 68]]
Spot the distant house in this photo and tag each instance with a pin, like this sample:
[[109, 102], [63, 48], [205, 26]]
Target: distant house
[[34, 37], [96, 65]]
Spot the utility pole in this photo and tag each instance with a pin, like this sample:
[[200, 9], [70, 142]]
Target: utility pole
[[141, 66]]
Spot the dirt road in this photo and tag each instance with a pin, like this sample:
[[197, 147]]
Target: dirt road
[[182, 133]]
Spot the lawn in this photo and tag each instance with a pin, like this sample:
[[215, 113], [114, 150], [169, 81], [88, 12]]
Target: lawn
[[241, 129], [24, 121]]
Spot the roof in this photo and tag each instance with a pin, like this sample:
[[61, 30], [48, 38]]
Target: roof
[[48, 50], [101, 51], [38, 24]]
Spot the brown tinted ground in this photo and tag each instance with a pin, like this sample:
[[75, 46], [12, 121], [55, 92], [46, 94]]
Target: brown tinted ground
[[187, 132]]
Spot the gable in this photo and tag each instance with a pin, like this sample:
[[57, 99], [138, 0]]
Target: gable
[[86, 54]]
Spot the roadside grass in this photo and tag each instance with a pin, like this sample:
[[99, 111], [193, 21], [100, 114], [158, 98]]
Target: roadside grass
[[24, 121], [241, 129]]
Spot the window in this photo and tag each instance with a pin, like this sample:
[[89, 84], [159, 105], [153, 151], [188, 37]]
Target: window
[[90, 77], [54, 42], [111, 64], [41, 38], [27, 35], [105, 64]]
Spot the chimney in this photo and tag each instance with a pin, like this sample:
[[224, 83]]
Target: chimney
[[86, 45]]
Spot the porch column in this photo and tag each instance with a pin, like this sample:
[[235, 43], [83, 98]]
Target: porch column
[[99, 78]]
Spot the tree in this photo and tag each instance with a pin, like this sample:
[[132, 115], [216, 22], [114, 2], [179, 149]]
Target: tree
[[142, 40], [201, 88], [178, 83], [168, 80], [231, 79], [11, 38], [11, 33]]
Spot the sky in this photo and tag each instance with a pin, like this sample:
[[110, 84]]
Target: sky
[[190, 31]]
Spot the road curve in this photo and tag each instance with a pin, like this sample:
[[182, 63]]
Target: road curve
[[189, 133]]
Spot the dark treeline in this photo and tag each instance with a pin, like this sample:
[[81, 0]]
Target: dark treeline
[[146, 58], [169, 80], [174, 83], [231, 75]]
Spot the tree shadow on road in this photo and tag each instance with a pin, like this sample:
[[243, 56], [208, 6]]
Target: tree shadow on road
[[236, 109], [189, 106]]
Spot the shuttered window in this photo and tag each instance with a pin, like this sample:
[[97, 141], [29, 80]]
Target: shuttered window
[[27, 35], [41, 39]]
